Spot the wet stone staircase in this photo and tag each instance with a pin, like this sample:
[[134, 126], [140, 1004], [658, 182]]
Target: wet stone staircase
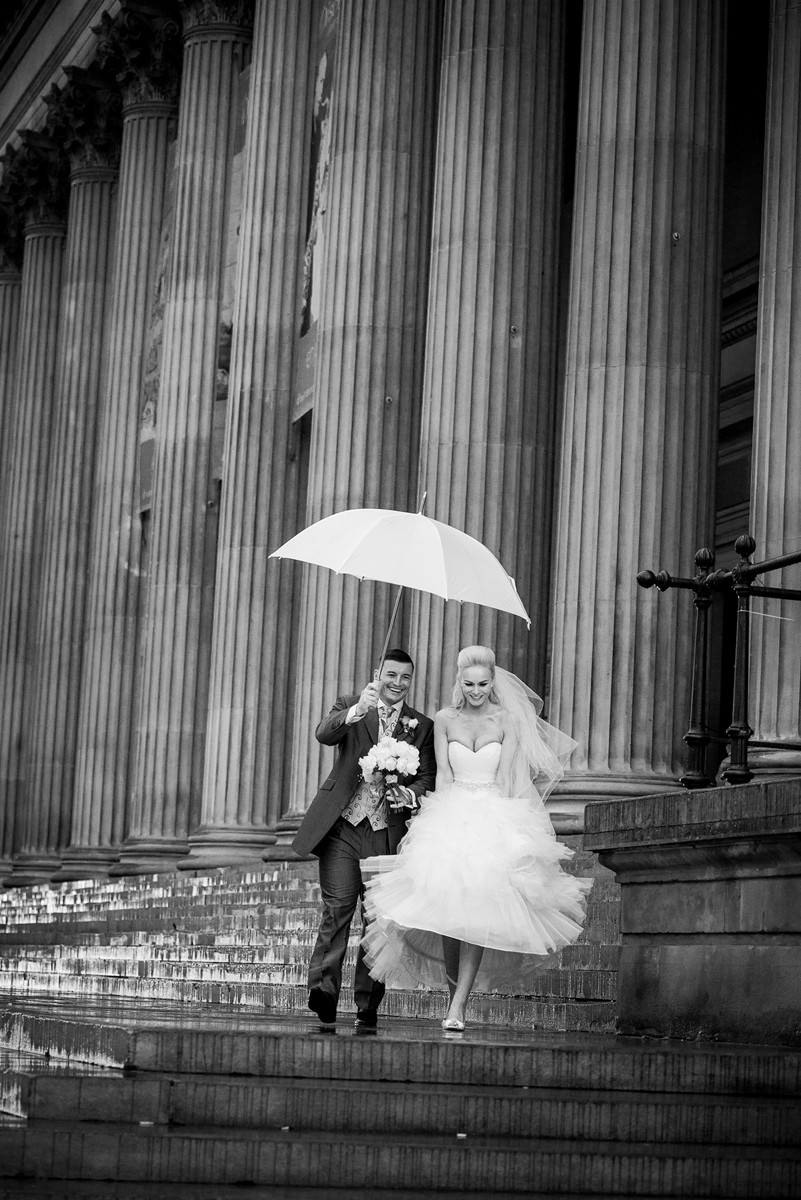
[[154, 1044], [239, 937], [146, 1102]]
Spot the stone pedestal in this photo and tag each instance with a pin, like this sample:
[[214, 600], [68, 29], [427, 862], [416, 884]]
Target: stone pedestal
[[250, 712], [710, 911], [640, 410], [45, 821], [107, 709], [27, 462], [775, 493], [489, 400], [366, 421], [168, 773]]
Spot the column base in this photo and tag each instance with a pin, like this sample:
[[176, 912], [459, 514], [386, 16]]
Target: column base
[[148, 858], [568, 800], [768, 764], [222, 846], [287, 827], [31, 869], [86, 862]]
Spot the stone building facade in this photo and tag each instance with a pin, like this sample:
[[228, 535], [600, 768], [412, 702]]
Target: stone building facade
[[264, 260]]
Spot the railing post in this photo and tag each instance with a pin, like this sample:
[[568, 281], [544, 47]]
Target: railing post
[[740, 731], [697, 736]]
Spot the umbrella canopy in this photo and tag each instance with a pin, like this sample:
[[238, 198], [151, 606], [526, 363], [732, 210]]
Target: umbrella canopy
[[410, 550]]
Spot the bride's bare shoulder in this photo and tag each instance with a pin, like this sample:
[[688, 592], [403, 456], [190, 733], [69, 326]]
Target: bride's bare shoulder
[[444, 716]]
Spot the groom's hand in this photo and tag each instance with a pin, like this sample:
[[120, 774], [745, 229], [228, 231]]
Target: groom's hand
[[399, 797], [368, 699]]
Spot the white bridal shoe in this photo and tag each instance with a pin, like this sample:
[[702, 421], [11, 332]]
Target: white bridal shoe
[[453, 1024]]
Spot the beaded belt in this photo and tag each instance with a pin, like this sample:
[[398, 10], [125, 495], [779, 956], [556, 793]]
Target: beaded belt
[[475, 787]]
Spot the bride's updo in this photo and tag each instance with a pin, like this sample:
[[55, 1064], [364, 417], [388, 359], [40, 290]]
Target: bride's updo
[[473, 656]]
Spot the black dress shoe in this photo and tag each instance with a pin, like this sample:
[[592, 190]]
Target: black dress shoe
[[324, 1005], [366, 1018]]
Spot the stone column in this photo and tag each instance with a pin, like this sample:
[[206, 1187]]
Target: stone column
[[84, 119], [487, 445], [249, 710], [10, 280], [639, 435], [145, 56], [36, 177], [775, 497], [172, 720], [366, 423]]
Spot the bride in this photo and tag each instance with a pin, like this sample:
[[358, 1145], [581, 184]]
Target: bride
[[476, 896]]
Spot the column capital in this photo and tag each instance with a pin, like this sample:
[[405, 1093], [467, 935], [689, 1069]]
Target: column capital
[[84, 118], [201, 17], [143, 49], [35, 184]]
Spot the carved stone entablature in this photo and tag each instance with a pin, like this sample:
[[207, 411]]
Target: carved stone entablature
[[85, 118], [35, 184], [142, 47], [233, 16]]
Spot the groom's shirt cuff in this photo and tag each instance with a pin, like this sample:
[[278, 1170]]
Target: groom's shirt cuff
[[354, 715]]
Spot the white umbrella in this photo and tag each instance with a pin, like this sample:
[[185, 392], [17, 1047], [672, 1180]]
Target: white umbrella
[[410, 550]]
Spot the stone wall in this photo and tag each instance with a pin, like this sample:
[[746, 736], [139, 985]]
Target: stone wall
[[711, 911]]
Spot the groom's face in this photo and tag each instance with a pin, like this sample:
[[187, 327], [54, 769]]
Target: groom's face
[[394, 681]]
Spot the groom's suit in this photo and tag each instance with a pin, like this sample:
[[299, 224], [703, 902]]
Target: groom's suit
[[353, 742], [340, 845]]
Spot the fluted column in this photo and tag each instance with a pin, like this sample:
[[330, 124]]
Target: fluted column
[[172, 719], [366, 394], [145, 56], [489, 408], [775, 495], [83, 118], [39, 179], [639, 437], [10, 283], [249, 710]]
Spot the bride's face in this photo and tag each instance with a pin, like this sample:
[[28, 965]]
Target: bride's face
[[476, 684]]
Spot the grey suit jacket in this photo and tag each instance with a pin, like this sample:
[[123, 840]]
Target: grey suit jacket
[[352, 742]]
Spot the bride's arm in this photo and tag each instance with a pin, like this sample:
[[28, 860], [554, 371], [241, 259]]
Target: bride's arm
[[444, 772], [508, 749]]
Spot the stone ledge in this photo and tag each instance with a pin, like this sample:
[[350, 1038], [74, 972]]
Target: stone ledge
[[710, 911], [752, 810]]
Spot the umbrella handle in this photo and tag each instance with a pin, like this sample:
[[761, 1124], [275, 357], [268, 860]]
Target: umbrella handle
[[389, 631]]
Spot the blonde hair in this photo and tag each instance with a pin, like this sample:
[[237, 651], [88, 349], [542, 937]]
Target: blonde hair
[[473, 656]]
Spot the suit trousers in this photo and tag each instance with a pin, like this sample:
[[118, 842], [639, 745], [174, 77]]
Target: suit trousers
[[340, 854]]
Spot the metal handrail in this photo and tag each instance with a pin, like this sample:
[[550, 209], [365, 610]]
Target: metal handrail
[[705, 585]]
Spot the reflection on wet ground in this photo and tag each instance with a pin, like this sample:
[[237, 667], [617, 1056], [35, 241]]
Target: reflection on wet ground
[[182, 1015]]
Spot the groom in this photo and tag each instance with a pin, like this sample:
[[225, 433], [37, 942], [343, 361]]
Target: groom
[[350, 820]]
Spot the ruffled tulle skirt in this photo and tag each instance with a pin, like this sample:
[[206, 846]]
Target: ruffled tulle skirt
[[481, 868]]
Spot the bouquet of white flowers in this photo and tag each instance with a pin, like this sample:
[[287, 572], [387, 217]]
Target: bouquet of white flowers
[[390, 761]]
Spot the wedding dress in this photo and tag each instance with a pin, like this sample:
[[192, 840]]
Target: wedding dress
[[480, 867]]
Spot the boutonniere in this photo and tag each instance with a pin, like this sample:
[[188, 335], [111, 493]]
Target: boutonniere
[[409, 723]]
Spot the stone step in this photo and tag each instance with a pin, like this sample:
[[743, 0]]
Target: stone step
[[543, 1013], [295, 910], [88, 969], [37, 1092], [232, 886], [240, 944], [196, 1040], [44, 1189], [517, 1166]]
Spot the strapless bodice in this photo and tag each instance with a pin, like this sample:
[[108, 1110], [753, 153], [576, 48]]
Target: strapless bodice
[[475, 768]]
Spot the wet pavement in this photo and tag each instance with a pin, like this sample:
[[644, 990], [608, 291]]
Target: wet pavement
[[144, 1015]]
